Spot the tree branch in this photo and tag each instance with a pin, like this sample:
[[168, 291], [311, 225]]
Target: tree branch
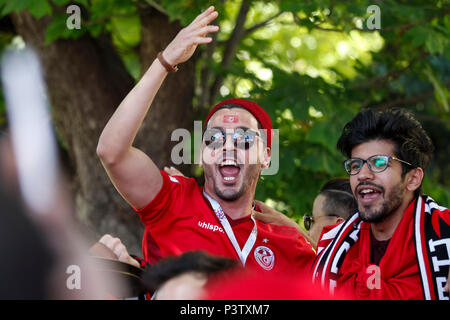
[[333, 2], [257, 26], [371, 82], [230, 48], [261, 24], [206, 73], [156, 6]]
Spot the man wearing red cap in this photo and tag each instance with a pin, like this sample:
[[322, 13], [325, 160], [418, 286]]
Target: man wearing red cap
[[179, 215]]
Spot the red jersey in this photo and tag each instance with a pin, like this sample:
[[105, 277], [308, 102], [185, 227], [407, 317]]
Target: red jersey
[[344, 261], [181, 219]]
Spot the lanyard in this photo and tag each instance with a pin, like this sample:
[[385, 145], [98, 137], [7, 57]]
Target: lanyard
[[229, 231]]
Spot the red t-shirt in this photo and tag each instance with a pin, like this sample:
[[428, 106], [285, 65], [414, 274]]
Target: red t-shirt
[[180, 219]]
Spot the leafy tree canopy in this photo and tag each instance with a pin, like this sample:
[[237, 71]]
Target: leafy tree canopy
[[313, 65]]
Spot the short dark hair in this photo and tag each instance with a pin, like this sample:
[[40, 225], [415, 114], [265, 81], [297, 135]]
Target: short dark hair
[[191, 261], [412, 143], [339, 199], [339, 203], [342, 184]]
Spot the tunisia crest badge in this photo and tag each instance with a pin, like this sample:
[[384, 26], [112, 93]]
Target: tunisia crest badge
[[265, 257]]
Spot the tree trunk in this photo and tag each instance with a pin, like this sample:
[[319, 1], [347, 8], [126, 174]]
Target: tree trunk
[[86, 81], [172, 107]]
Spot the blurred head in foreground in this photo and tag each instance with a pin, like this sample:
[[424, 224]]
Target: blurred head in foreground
[[41, 250], [186, 277], [26, 257], [261, 285]]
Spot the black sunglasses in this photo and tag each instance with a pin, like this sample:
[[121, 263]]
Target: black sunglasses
[[215, 138], [377, 163], [308, 221]]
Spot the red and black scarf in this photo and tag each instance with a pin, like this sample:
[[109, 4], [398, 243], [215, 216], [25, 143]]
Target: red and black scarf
[[431, 224]]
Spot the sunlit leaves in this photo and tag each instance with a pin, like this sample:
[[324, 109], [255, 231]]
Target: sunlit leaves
[[311, 64]]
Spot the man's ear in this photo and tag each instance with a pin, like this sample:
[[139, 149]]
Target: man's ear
[[339, 220], [265, 163], [414, 179]]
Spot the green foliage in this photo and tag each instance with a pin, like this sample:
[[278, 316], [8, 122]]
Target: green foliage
[[320, 79], [58, 30], [14, 6], [186, 11], [313, 65]]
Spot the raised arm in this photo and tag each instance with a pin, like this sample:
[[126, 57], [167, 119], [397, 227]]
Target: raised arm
[[132, 172]]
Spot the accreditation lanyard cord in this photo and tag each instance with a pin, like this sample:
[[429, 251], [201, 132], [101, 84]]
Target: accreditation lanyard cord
[[243, 254]]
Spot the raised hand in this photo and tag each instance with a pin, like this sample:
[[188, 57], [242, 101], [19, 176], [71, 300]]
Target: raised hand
[[186, 41], [118, 249], [133, 173], [173, 171], [271, 216]]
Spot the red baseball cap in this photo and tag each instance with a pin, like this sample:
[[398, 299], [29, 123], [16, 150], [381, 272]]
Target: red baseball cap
[[258, 112]]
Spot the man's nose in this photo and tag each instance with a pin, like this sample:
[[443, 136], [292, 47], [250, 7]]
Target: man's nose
[[229, 149], [229, 143], [365, 173]]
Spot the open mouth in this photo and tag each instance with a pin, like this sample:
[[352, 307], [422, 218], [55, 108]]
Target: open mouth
[[369, 193], [229, 169]]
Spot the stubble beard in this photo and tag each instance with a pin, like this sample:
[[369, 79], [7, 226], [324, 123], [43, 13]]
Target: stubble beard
[[388, 207], [252, 173]]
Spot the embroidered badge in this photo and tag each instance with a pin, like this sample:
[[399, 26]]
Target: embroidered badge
[[265, 257], [230, 119]]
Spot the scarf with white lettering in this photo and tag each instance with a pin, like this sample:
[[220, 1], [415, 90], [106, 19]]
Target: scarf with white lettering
[[431, 240]]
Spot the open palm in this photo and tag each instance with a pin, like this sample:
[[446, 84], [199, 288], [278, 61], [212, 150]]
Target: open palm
[[186, 41]]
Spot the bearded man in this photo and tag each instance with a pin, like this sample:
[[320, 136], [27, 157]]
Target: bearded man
[[397, 246], [178, 214]]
